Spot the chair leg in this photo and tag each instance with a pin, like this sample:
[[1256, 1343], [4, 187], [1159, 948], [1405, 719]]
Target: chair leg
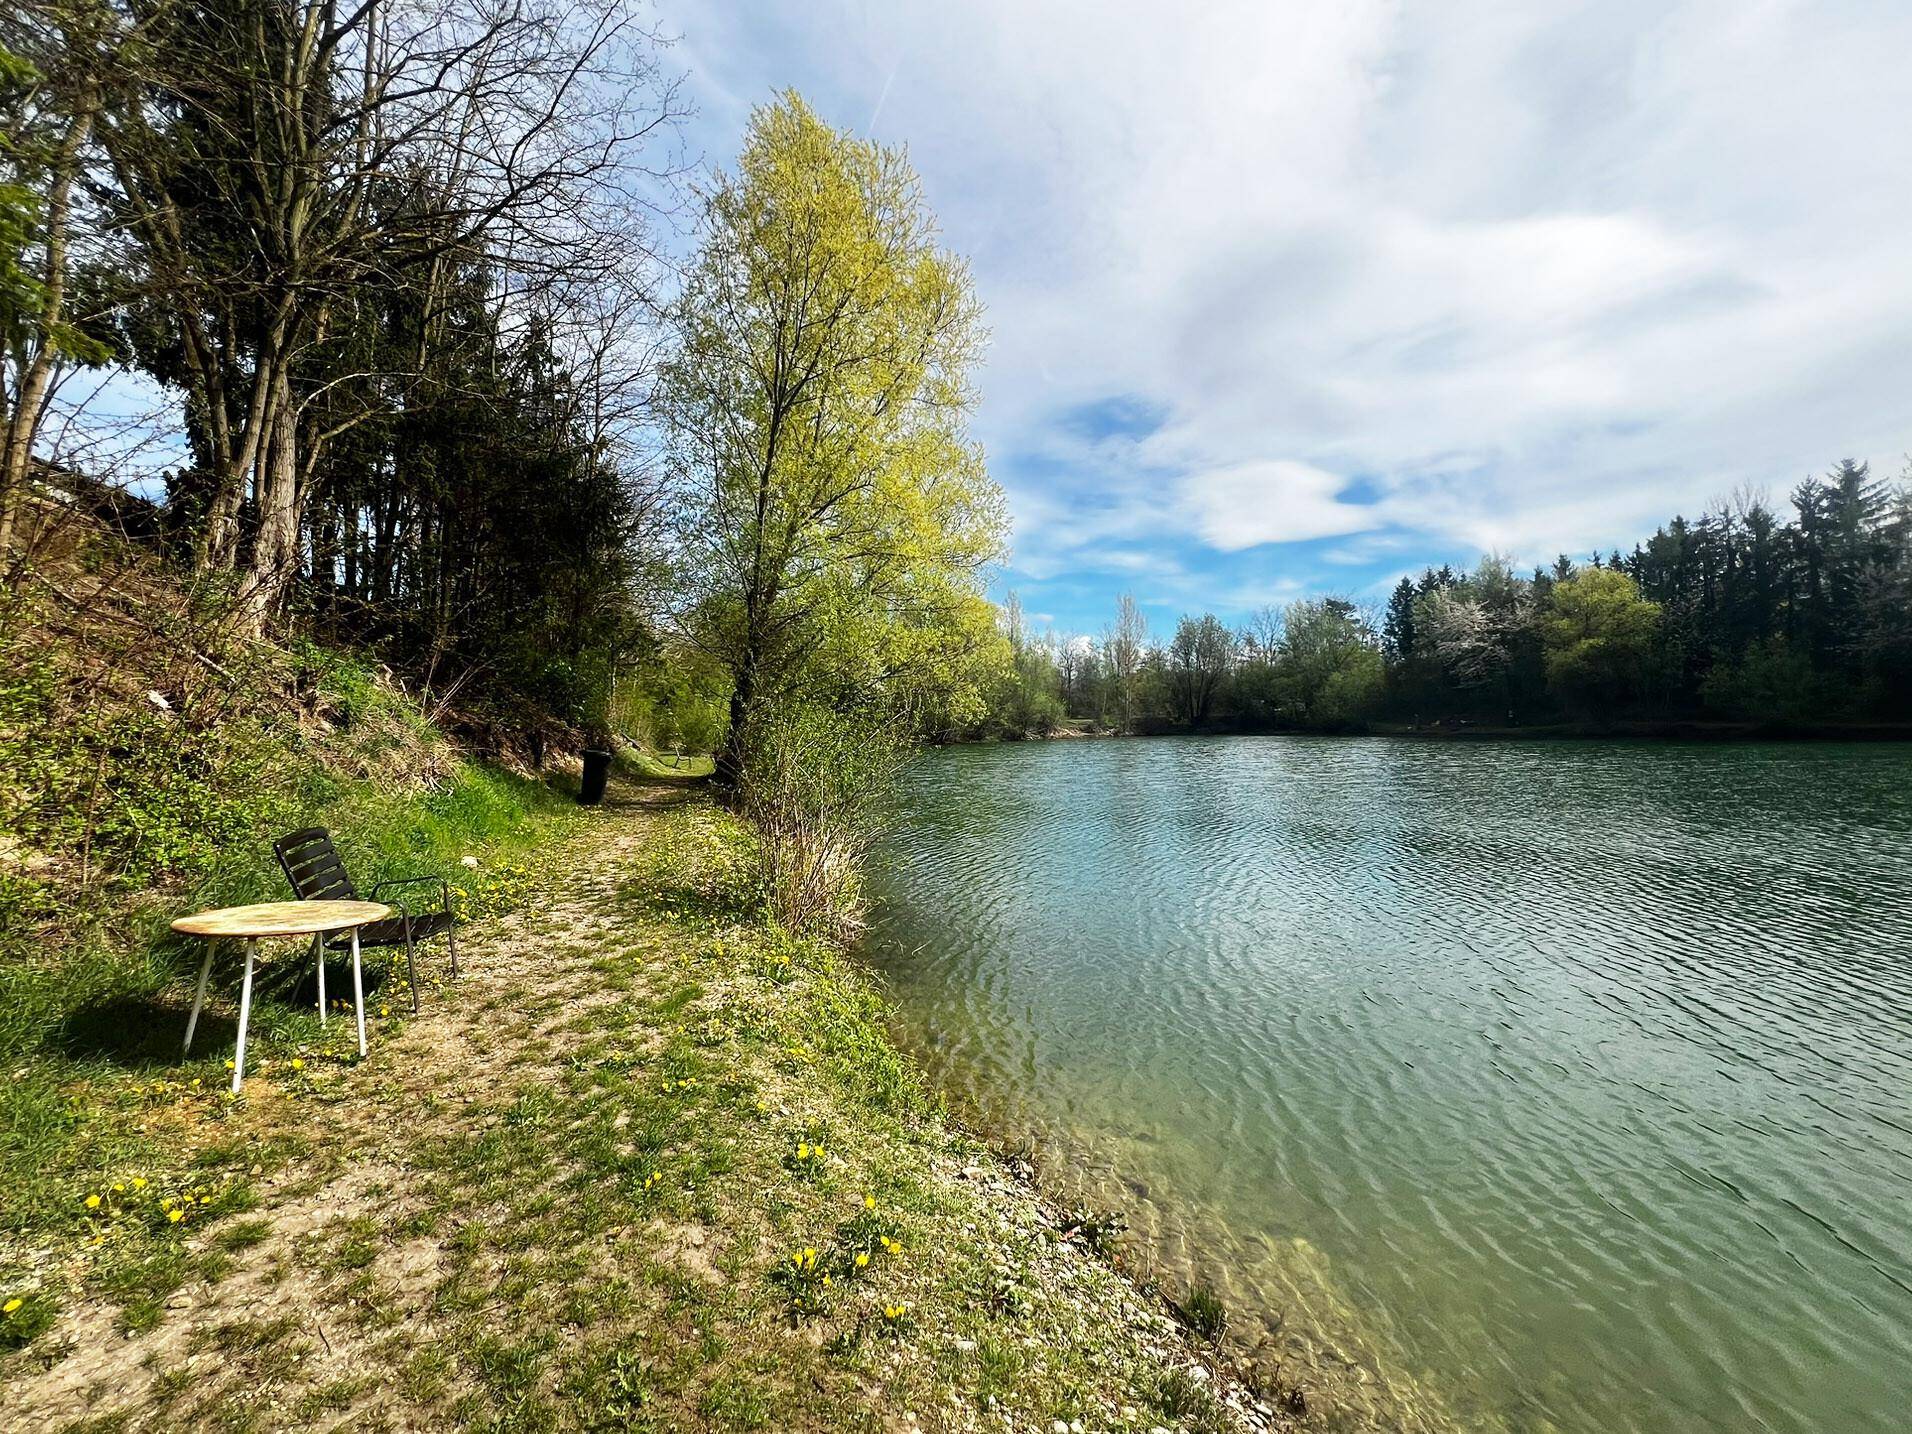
[[318, 955], [451, 937], [411, 971], [358, 992], [245, 1015], [199, 998]]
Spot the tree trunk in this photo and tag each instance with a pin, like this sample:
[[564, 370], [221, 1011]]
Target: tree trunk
[[275, 554], [729, 758], [41, 352]]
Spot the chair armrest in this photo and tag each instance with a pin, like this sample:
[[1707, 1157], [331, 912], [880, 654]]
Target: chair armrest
[[444, 889]]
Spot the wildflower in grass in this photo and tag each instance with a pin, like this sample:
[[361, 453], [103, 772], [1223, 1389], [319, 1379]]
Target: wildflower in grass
[[869, 1202], [175, 1216], [139, 1182], [803, 1151], [862, 1259], [893, 1313], [92, 1202], [297, 1064], [11, 1305]]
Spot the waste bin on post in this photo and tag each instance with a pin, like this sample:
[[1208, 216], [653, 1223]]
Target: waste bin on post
[[597, 770]]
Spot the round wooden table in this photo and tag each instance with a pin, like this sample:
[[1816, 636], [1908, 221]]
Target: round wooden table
[[316, 919]]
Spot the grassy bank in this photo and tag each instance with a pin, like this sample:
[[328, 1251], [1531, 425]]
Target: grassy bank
[[147, 759], [98, 1102], [653, 1164]]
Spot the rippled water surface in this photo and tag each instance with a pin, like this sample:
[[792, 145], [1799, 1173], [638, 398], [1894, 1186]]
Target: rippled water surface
[[1534, 1086]]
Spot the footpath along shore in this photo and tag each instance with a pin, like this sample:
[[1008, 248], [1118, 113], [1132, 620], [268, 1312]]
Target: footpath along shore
[[649, 1164]]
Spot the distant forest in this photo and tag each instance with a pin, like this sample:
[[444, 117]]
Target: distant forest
[[1744, 614]]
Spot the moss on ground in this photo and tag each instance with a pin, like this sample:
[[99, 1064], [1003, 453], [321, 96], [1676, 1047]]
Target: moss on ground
[[651, 1165]]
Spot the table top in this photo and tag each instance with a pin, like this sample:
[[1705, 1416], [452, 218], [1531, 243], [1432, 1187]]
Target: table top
[[282, 918]]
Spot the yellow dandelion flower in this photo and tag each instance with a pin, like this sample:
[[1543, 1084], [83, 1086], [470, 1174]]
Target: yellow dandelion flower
[[862, 1258], [175, 1216], [139, 1182], [869, 1202], [92, 1202], [803, 1151], [118, 1188], [297, 1064], [12, 1305]]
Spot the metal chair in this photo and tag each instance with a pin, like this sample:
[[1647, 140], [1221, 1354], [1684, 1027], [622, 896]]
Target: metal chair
[[313, 866]]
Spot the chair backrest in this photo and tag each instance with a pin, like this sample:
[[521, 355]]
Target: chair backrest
[[311, 863]]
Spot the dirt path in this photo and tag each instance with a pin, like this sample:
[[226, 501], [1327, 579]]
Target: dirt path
[[276, 1314], [579, 1190]]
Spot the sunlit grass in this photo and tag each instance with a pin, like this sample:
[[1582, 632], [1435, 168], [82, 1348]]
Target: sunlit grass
[[696, 1186]]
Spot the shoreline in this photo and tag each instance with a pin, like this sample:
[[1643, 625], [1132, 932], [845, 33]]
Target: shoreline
[[1350, 1381], [1667, 730]]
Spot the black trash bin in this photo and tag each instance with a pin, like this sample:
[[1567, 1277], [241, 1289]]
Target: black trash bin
[[597, 770]]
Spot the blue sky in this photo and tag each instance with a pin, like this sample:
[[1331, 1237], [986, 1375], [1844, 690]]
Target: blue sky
[[1290, 298]]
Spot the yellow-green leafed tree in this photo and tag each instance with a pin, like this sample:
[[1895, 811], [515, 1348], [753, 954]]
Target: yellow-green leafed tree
[[1598, 633], [835, 517]]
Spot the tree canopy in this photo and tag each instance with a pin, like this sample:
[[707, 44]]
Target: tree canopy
[[833, 516]]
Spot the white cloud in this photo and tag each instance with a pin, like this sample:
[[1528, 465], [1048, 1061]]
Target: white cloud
[[1537, 275], [1249, 504]]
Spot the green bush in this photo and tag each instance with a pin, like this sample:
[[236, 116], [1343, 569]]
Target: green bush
[[817, 785]]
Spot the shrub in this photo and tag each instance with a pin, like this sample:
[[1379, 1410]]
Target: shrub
[[816, 784]]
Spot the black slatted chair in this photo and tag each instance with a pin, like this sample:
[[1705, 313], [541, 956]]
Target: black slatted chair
[[313, 866]]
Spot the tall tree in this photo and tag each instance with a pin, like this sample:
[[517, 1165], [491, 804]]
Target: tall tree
[[1126, 648], [50, 98], [835, 515], [1199, 658], [276, 159], [1598, 631]]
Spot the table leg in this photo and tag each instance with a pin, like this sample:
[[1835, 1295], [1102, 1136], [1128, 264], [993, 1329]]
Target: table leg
[[358, 992], [199, 997], [318, 950], [245, 1015]]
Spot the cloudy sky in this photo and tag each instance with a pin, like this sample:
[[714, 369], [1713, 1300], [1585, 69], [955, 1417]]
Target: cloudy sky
[[1294, 297]]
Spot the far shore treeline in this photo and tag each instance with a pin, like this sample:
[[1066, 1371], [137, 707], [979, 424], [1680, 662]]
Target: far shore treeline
[[1744, 615]]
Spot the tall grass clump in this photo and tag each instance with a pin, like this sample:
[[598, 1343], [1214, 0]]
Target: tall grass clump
[[817, 785]]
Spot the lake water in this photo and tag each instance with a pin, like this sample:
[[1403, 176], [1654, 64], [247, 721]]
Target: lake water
[[1524, 1086]]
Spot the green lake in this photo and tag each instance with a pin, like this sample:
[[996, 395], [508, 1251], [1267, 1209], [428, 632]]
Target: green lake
[[1500, 1085]]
